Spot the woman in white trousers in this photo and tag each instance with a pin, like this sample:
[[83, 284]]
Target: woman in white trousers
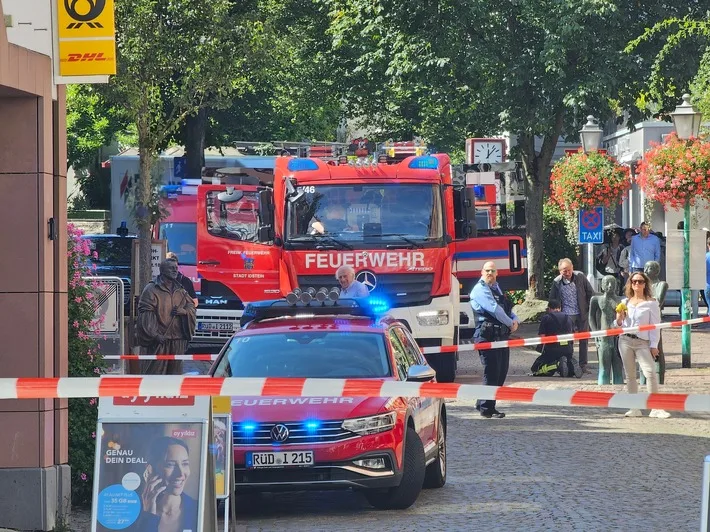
[[641, 309]]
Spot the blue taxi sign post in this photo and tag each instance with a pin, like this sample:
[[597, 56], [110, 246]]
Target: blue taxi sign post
[[591, 226]]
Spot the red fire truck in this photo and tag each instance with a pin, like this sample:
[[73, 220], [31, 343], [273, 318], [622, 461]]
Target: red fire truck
[[393, 215]]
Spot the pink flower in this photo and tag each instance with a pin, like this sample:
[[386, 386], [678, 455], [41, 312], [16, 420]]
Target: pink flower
[[83, 477]]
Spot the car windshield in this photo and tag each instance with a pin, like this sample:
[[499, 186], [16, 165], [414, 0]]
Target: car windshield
[[182, 240], [306, 354], [111, 251], [355, 212]]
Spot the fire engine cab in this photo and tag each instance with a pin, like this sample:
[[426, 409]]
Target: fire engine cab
[[393, 214]]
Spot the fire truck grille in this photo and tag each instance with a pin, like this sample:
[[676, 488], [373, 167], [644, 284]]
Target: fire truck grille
[[400, 289], [260, 433]]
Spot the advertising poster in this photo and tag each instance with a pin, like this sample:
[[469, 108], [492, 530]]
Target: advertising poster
[[149, 476], [220, 450]]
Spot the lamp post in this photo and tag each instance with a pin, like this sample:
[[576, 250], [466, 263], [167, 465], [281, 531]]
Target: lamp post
[[591, 136], [687, 125]]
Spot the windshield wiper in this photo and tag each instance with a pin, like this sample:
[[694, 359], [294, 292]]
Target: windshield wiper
[[408, 240], [319, 237]]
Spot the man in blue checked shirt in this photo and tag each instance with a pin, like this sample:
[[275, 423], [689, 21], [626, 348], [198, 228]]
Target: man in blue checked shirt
[[495, 321], [644, 248]]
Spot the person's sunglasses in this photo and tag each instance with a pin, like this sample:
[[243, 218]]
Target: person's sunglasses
[[638, 281]]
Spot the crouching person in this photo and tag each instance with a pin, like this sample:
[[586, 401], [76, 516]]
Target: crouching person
[[556, 357]]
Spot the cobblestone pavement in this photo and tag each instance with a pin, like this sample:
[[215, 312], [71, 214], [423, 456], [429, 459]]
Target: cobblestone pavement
[[539, 469]]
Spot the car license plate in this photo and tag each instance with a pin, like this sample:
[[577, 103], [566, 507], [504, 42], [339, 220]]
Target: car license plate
[[280, 459], [215, 326]]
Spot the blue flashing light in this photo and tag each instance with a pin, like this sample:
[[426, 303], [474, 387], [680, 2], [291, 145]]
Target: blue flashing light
[[479, 191], [299, 165], [378, 305], [248, 427], [424, 162], [171, 190], [312, 425]]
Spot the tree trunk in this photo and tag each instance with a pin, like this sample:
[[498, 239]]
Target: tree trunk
[[537, 178], [535, 237], [195, 129], [143, 214]]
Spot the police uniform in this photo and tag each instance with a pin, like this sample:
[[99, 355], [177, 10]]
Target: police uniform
[[494, 319]]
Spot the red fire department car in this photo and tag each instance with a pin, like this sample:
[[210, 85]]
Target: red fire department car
[[388, 447]]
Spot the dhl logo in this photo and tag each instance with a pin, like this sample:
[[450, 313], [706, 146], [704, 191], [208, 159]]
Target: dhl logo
[[73, 58]]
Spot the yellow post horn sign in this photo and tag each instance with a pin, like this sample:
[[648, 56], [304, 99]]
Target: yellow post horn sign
[[87, 37]]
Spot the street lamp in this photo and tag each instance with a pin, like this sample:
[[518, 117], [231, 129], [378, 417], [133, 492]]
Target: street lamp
[[687, 125], [591, 136]]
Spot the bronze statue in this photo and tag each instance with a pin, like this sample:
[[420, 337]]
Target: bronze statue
[[602, 313], [658, 289], [166, 320]]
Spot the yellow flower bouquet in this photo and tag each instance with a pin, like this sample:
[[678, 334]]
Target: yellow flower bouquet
[[621, 307]]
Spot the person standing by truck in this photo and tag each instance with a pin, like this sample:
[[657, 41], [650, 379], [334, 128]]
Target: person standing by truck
[[183, 280], [495, 320]]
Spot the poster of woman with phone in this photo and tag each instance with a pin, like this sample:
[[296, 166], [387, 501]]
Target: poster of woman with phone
[[149, 477], [165, 507]]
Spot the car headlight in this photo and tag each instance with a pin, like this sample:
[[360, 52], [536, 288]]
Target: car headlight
[[433, 317], [371, 424]]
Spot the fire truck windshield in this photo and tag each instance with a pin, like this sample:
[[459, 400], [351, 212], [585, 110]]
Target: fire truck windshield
[[409, 213], [182, 240]]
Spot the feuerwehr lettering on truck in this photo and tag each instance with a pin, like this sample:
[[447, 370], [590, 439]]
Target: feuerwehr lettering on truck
[[366, 259]]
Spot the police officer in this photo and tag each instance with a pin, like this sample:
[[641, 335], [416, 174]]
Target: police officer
[[495, 321]]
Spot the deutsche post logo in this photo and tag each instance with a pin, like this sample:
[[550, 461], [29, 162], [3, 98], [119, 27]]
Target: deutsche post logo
[[76, 9]]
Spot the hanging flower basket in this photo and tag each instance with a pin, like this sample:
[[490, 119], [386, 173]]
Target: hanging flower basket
[[588, 180], [676, 172]]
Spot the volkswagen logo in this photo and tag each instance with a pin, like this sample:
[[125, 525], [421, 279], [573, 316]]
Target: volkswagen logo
[[367, 278], [279, 433]]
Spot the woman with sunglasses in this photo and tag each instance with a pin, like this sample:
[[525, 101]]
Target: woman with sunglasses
[[640, 309]]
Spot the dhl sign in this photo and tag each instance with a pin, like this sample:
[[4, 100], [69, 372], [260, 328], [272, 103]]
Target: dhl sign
[[87, 37]]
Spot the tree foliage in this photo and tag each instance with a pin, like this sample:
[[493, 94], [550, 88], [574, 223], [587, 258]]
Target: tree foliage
[[451, 69], [174, 58]]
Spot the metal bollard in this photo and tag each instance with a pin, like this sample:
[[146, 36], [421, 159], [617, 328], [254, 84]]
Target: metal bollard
[[705, 512]]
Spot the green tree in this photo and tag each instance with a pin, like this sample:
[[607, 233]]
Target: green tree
[[174, 59], [676, 64], [451, 69], [92, 123]]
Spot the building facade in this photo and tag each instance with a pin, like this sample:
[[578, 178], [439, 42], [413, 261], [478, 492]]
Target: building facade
[[34, 477]]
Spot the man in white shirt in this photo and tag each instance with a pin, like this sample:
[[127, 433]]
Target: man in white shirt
[[349, 287]]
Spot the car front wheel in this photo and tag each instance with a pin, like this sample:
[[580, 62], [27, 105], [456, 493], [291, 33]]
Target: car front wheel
[[436, 471], [414, 465]]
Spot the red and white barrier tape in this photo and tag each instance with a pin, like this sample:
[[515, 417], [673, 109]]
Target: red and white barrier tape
[[173, 386], [198, 357], [517, 342], [551, 339]]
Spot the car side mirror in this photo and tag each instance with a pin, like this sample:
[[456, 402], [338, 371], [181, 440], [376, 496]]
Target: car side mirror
[[420, 373], [230, 196]]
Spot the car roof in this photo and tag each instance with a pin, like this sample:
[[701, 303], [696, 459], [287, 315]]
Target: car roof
[[344, 323]]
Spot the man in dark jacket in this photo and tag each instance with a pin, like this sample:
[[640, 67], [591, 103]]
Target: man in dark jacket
[[574, 291], [557, 356]]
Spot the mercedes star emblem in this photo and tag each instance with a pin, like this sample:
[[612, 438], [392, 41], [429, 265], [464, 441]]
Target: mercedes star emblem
[[279, 433], [367, 278]]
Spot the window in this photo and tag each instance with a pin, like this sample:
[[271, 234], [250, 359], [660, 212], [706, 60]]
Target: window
[[400, 354], [238, 220], [182, 240], [306, 354], [414, 356], [351, 212], [111, 251]]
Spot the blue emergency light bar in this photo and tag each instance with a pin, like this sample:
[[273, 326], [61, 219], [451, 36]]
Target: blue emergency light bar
[[299, 165], [424, 162], [281, 308]]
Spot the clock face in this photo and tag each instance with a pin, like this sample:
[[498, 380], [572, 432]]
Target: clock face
[[487, 152]]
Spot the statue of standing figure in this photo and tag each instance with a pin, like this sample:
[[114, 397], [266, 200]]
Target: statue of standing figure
[[658, 289], [602, 313]]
